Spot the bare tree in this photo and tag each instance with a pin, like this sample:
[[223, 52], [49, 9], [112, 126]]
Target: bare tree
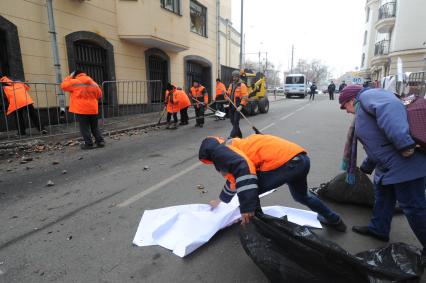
[[315, 70], [270, 70]]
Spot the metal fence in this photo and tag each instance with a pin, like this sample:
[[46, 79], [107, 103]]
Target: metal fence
[[43, 116], [387, 10], [381, 48]]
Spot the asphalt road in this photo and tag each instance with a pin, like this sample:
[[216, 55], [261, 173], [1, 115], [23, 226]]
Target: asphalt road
[[81, 229]]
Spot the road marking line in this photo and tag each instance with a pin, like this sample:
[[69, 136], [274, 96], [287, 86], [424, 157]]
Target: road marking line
[[288, 115], [158, 186], [267, 127]]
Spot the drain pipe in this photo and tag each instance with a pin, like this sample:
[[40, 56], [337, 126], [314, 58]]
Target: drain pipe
[[55, 54], [218, 38]]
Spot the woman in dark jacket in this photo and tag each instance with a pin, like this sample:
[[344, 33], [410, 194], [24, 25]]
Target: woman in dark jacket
[[381, 126]]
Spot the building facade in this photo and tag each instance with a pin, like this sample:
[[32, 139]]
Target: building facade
[[394, 29], [168, 40]]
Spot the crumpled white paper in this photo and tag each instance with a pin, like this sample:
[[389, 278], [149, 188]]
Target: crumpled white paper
[[185, 228]]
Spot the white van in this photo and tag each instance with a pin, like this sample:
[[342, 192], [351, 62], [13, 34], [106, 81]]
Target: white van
[[296, 85]]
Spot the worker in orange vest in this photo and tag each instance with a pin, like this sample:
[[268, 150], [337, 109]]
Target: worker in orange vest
[[238, 94], [219, 98], [84, 97], [184, 104], [200, 100], [260, 163], [172, 103], [20, 100]]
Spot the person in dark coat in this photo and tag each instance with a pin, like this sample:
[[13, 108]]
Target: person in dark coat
[[382, 127], [331, 88], [312, 93], [342, 86]]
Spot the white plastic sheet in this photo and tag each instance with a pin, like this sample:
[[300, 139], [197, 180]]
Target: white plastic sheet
[[185, 228]]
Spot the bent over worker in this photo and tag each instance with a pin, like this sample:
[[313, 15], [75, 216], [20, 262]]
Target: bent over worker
[[84, 96], [20, 100], [238, 95], [219, 98], [201, 99], [172, 103], [260, 163]]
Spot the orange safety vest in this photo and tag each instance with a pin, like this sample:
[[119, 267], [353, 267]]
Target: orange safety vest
[[183, 99], [197, 94], [240, 96], [84, 94], [16, 94], [220, 90], [265, 151], [172, 102]]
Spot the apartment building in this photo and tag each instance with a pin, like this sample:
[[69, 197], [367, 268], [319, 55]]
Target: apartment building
[[166, 40], [393, 29]]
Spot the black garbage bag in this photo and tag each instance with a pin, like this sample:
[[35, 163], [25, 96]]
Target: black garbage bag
[[287, 252], [360, 193]]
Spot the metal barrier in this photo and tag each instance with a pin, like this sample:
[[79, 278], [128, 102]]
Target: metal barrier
[[417, 83], [122, 101], [127, 99]]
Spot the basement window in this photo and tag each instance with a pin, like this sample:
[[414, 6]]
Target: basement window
[[198, 18], [171, 5]]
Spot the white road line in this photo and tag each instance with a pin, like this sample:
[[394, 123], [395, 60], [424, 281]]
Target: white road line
[[158, 186], [288, 115], [267, 127]]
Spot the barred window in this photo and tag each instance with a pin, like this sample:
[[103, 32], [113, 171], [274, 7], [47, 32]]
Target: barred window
[[198, 18], [171, 5]]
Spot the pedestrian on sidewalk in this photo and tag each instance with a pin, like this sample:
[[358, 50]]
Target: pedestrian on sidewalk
[[219, 98], [342, 86], [238, 95], [382, 127], [331, 88], [312, 93], [172, 104], [84, 97], [200, 100], [260, 163], [20, 103]]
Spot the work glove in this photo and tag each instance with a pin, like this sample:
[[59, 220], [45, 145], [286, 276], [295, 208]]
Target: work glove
[[406, 153], [366, 170], [239, 108]]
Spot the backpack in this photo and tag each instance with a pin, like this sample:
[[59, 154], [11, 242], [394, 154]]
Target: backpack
[[416, 115]]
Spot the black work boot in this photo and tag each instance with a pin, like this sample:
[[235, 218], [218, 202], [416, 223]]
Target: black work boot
[[339, 225], [364, 230]]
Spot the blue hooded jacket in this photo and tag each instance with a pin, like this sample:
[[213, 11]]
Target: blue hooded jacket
[[382, 127]]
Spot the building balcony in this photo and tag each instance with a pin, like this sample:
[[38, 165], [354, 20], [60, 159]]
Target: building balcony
[[149, 24], [386, 19], [381, 51]]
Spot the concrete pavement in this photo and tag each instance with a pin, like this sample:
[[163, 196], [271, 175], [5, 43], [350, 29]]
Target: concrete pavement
[[81, 229]]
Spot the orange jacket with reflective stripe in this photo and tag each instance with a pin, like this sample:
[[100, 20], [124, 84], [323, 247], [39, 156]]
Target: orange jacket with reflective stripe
[[16, 94], [240, 96], [84, 94], [265, 151], [220, 89], [200, 94]]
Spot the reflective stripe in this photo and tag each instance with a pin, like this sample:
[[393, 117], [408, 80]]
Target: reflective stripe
[[245, 177], [228, 193], [228, 142], [226, 187], [246, 187], [84, 85]]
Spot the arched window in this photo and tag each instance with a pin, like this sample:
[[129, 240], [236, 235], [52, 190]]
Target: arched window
[[198, 68], [94, 55], [158, 68]]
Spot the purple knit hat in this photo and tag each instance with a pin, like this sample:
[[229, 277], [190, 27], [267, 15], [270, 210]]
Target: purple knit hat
[[348, 93]]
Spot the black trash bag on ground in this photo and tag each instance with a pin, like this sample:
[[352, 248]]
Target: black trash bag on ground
[[287, 252], [360, 193]]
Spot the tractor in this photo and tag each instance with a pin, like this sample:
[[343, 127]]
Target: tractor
[[256, 85]]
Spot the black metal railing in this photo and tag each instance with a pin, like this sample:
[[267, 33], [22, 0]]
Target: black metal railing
[[381, 48], [387, 10]]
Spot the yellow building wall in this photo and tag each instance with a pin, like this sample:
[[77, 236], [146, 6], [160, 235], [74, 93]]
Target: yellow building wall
[[98, 16]]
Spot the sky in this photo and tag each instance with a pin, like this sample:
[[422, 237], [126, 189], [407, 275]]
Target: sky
[[328, 30]]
